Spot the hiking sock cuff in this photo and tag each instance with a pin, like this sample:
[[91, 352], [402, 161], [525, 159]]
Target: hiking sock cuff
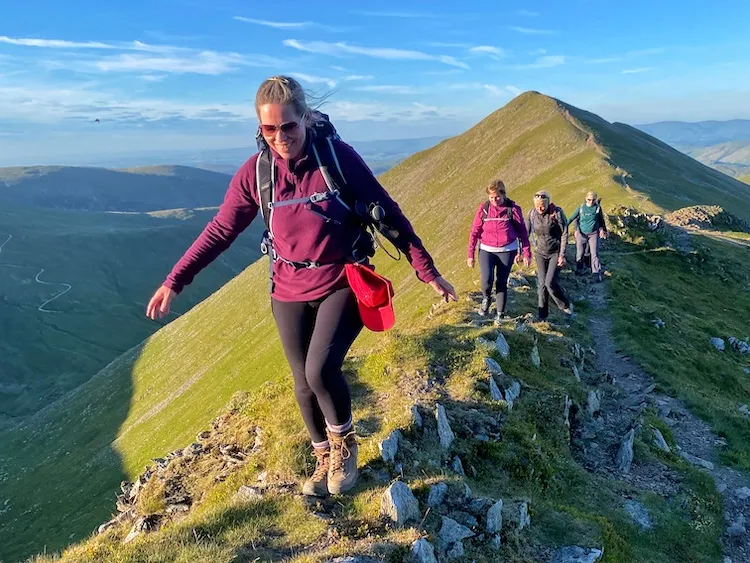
[[324, 445], [340, 429]]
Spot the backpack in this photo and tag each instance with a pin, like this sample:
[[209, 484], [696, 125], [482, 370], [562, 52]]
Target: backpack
[[509, 203], [368, 216]]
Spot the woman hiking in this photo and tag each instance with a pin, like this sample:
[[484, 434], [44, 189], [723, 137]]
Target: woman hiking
[[590, 227], [311, 236], [498, 225], [549, 227]]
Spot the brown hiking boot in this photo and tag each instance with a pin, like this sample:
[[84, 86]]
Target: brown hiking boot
[[342, 476], [317, 485]]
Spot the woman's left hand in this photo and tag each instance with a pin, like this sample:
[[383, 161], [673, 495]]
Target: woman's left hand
[[560, 261], [443, 288]]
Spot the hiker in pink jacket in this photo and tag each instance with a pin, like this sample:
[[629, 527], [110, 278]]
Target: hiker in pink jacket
[[498, 225]]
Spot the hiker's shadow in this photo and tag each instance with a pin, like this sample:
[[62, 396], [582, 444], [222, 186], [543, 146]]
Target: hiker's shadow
[[361, 394]]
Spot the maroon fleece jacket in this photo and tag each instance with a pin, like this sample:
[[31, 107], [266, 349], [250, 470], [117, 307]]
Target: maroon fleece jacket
[[299, 234]]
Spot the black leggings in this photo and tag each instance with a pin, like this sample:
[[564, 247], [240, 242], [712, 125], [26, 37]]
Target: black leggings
[[548, 284], [316, 337], [502, 262]]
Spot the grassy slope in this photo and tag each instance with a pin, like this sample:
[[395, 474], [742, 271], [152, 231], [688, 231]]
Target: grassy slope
[[745, 179], [179, 379], [102, 189], [113, 262]]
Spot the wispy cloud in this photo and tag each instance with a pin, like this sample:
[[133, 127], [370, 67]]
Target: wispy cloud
[[603, 60], [357, 77], [286, 25], [448, 44], [341, 49], [544, 62], [152, 77], [501, 91], [531, 31], [389, 88], [54, 43], [310, 79], [494, 52], [637, 70], [527, 13], [193, 62], [405, 15]]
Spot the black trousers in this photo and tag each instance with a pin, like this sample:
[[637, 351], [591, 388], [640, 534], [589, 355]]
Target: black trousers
[[548, 284], [316, 337], [496, 266]]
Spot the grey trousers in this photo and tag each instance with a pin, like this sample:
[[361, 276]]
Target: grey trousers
[[593, 241]]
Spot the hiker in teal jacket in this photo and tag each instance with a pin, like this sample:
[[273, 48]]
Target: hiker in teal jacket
[[590, 227]]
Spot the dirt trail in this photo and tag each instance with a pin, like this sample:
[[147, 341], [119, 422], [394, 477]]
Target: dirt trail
[[626, 391]]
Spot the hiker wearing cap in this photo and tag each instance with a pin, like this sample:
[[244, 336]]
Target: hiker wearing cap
[[589, 228], [547, 223], [497, 228], [310, 186]]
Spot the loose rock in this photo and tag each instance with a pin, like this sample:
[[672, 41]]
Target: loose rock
[[576, 554], [495, 517], [493, 366], [423, 551], [695, 460], [659, 440], [502, 346], [452, 532], [718, 343], [245, 493], [399, 504], [495, 390], [743, 493], [737, 528], [535, 359], [624, 457], [524, 518], [744, 409], [639, 514], [389, 446], [416, 417], [444, 428], [512, 393], [456, 551], [458, 467], [593, 403]]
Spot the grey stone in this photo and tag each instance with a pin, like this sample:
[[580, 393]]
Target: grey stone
[[437, 494], [566, 410], [467, 493], [495, 517], [722, 488], [464, 518], [576, 554], [389, 447], [639, 514], [535, 359], [495, 390], [416, 417], [452, 532], [659, 440], [624, 457], [482, 437], [493, 366], [192, 450], [423, 551], [718, 343], [502, 346], [524, 518], [478, 505], [695, 460], [245, 493], [593, 403], [399, 504], [744, 409], [484, 342], [179, 507], [743, 493], [458, 467], [496, 542], [737, 528], [444, 427], [658, 323], [576, 373], [512, 393], [456, 551]]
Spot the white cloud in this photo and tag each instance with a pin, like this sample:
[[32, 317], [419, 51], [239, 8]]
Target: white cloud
[[449, 44], [198, 62], [527, 13], [357, 77], [152, 77], [495, 52], [531, 31], [538, 52], [603, 60], [405, 15], [54, 43], [637, 70], [544, 62], [340, 49], [339, 68], [388, 88], [501, 91], [513, 90], [314, 79], [276, 25]]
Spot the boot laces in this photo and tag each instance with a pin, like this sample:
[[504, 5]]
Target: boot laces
[[340, 452], [321, 467]]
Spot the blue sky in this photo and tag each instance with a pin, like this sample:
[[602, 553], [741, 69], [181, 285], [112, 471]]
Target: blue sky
[[182, 74]]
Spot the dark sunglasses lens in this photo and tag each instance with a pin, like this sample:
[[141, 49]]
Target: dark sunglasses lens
[[285, 127], [289, 127]]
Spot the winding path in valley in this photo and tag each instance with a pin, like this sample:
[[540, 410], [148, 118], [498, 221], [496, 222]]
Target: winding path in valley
[[66, 286]]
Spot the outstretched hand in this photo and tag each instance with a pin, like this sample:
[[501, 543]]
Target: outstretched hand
[[159, 304], [444, 289], [526, 261]]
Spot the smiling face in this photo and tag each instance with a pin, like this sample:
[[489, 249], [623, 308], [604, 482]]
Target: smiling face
[[283, 129], [496, 197], [541, 202]]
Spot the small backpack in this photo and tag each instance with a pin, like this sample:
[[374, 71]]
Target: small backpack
[[509, 203]]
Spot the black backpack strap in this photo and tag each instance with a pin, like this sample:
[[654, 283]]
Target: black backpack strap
[[264, 180]]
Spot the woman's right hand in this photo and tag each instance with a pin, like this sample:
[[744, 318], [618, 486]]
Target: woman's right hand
[[470, 262], [159, 304]]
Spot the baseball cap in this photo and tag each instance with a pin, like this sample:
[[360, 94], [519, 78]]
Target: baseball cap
[[374, 296]]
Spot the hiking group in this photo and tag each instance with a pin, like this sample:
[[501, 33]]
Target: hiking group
[[502, 235], [323, 210]]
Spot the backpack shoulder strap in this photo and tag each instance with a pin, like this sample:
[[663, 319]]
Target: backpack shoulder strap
[[264, 180]]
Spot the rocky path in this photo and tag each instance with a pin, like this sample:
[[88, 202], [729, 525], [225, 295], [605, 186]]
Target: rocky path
[[622, 393]]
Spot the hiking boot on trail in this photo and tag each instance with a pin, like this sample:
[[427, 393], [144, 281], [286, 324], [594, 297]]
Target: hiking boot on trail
[[484, 308], [343, 473], [317, 485]]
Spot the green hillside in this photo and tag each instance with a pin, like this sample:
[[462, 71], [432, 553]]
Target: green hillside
[[74, 287], [745, 179], [155, 397], [102, 189]]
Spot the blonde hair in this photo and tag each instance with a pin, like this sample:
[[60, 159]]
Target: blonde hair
[[286, 90], [494, 186], [593, 195]]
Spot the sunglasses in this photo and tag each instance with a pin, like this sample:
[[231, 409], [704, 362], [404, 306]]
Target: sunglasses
[[540, 196], [589, 199], [284, 127]]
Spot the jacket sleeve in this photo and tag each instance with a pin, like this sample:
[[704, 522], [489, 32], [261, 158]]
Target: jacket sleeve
[[574, 216], [476, 232], [234, 215], [564, 237], [524, 231], [359, 177]]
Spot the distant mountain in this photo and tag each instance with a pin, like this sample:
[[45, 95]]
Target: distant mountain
[[101, 189], [682, 134]]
